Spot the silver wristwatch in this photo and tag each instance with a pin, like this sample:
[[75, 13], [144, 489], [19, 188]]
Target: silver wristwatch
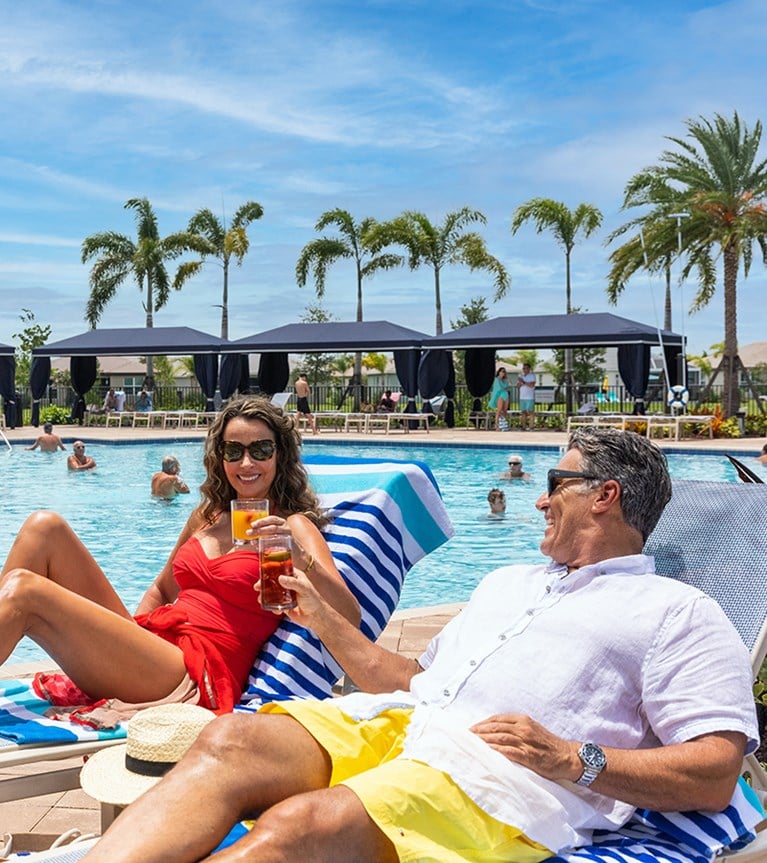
[[594, 760]]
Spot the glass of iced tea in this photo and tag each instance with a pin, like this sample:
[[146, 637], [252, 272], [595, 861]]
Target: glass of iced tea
[[243, 513], [276, 558]]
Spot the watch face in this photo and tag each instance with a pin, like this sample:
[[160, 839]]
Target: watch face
[[592, 756]]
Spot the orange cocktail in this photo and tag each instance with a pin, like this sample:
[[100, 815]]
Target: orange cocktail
[[243, 513]]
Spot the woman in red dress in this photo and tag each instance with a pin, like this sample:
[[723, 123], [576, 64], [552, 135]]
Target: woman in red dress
[[200, 623]]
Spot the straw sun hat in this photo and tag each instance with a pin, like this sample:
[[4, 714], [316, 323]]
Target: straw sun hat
[[158, 737]]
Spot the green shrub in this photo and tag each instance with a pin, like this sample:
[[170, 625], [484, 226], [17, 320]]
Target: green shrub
[[54, 414]]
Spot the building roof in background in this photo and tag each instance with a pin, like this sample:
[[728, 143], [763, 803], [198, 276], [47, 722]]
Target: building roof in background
[[753, 354]]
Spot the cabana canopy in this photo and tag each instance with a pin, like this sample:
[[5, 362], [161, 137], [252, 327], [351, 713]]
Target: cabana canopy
[[334, 336], [600, 330], [133, 342]]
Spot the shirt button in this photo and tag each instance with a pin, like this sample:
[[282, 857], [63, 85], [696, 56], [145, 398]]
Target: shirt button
[[446, 693], [502, 636], [472, 662], [548, 588], [530, 612]]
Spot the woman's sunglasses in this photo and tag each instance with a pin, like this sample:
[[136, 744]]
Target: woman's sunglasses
[[258, 450]]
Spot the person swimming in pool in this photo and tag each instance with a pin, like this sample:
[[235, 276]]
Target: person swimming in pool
[[199, 626]]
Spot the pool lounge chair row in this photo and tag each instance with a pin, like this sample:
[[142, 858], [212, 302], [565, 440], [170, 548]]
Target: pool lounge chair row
[[664, 423]]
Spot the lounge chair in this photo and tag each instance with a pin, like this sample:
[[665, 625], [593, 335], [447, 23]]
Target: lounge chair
[[385, 516]]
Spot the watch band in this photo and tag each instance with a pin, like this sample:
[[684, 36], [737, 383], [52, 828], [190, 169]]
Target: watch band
[[594, 760]]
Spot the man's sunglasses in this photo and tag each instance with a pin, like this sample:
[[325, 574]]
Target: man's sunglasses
[[258, 450], [555, 477]]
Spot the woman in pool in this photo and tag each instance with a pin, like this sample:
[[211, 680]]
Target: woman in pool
[[199, 626], [499, 399]]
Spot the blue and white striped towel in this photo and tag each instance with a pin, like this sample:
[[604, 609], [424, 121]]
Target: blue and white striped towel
[[384, 517]]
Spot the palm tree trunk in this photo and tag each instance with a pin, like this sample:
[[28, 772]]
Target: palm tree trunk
[[569, 402], [437, 303], [357, 375], [667, 308], [731, 394], [225, 303], [149, 318]]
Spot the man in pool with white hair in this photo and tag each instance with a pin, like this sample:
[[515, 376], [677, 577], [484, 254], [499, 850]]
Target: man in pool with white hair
[[167, 483], [563, 697]]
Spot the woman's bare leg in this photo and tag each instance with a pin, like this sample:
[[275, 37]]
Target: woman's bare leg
[[106, 654], [47, 545]]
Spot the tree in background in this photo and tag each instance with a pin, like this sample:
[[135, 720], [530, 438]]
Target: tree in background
[[318, 367], [720, 185], [473, 312], [117, 257], [656, 229], [33, 335], [223, 243], [566, 225], [361, 242], [437, 246]]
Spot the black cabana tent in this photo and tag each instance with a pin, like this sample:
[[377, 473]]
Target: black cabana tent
[[8, 383], [599, 329], [135, 341], [333, 337]]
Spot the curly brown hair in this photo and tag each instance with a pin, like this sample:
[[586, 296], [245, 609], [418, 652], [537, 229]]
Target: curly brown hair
[[290, 492]]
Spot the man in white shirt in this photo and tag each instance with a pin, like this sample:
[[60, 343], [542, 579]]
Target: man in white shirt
[[526, 384], [563, 697]]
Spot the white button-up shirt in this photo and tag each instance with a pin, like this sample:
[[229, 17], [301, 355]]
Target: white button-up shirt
[[610, 653]]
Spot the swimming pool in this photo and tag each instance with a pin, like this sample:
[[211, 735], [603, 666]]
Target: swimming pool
[[130, 534]]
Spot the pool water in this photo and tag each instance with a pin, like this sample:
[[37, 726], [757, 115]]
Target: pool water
[[131, 534]]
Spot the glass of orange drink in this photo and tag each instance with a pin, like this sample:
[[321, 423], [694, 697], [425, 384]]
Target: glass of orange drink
[[245, 511], [275, 555]]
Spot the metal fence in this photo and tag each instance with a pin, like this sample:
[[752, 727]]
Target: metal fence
[[342, 398]]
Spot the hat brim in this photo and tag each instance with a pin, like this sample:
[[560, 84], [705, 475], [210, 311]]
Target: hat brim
[[106, 778]]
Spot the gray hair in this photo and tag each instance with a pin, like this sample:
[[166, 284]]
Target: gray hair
[[637, 465], [170, 464]]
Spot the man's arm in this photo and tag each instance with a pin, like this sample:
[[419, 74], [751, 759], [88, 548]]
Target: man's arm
[[372, 668], [698, 774]]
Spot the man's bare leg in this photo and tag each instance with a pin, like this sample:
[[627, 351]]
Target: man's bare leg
[[239, 766], [326, 826]]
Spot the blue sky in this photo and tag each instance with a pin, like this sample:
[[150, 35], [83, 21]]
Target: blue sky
[[375, 107]]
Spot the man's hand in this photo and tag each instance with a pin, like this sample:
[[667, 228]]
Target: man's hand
[[525, 741]]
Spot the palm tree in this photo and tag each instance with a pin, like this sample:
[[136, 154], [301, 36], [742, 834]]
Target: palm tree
[[720, 186], [448, 243], [361, 242], [566, 225], [222, 243], [118, 257], [657, 232]]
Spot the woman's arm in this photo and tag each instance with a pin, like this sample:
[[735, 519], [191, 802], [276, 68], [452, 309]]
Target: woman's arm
[[164, 588], [312, 555]]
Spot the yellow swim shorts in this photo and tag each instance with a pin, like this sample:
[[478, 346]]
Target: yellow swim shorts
[[421, 810]]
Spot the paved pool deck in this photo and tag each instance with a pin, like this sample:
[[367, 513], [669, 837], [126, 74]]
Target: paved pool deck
[[407, 633]]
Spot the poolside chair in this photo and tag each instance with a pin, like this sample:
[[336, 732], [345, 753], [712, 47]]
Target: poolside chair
[[385, 516], [281, 399], [711, 535]]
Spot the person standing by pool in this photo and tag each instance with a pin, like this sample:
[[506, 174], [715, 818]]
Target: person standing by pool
[[199, 626], [499, 399], [48, 441], [526, 384], [79, 460], [167, 483], [303, 391]]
